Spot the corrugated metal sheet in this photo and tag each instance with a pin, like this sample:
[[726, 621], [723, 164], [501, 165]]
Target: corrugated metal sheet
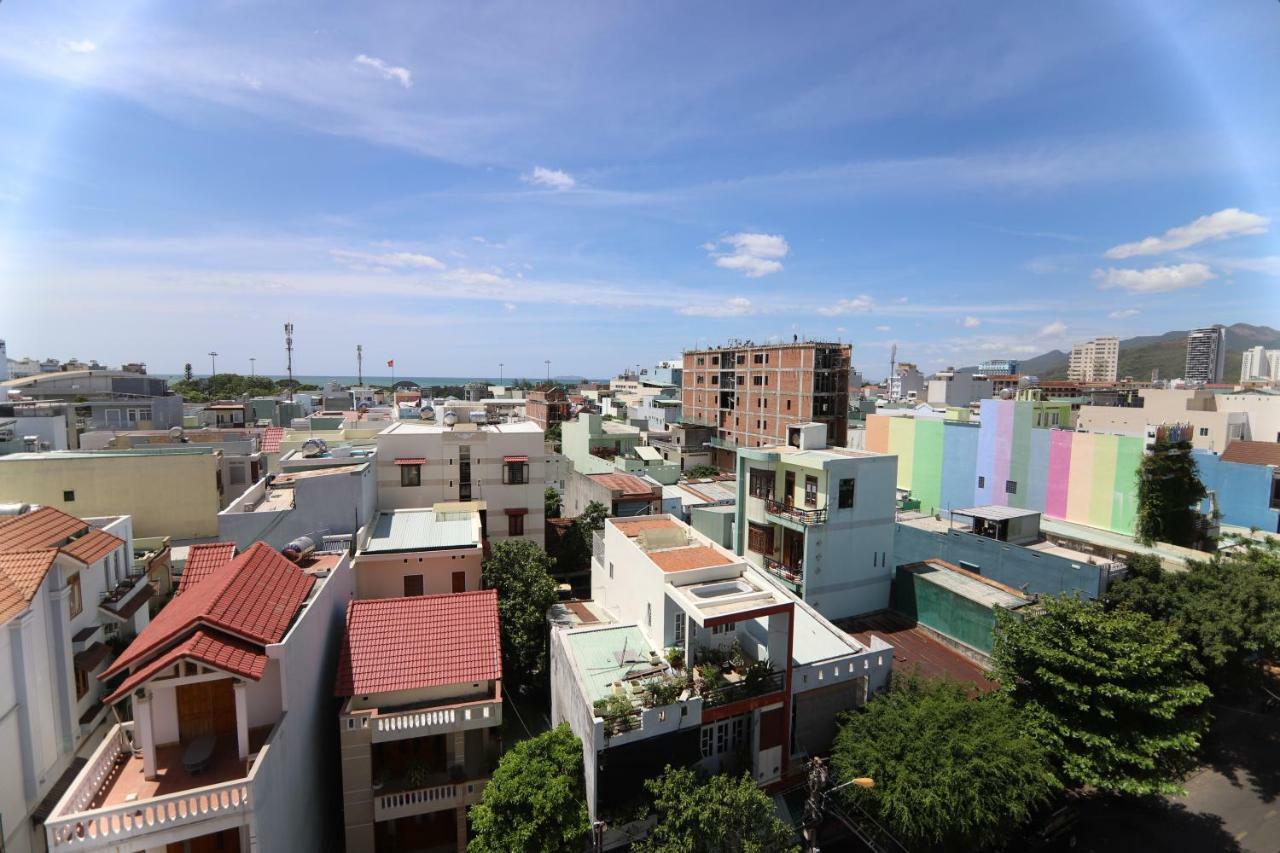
[[420, 530]]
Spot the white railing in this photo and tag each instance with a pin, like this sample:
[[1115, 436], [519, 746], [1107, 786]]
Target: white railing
[[114, 748], [436, 798], [431, 721]]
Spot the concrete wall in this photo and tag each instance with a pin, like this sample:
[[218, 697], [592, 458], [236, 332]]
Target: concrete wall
[[568, 705], [1244, 491], [382, 575], [937, 607], [167, 495], [337, 502]]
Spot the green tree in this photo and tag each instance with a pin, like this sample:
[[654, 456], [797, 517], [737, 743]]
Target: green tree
[[699, 472], [535, 800], [521, 573], [1227, 609], [575, 551], [949, 770], [553, 434], [186, 371], [1169, 495], [708, 816], [1107, 690], [551, 502]]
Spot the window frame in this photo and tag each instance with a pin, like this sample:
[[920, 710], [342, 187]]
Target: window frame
[[843, 500], [75, 599], [508, 468], [515, 524], [421, 585], [810, 490], [1010, 487], [410, 473]]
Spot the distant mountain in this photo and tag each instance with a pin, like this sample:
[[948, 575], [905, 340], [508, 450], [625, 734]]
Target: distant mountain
[[1166, 353]]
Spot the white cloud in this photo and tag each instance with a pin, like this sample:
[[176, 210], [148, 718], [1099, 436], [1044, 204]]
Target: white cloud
[[755, 255], [1053, 330], [387, 71], [1155, 279], [81, 46], [882, 328], [902, 300], [1124, 314], [971, 322], [735, 307], [510, 306], [552, 179], [252, 82], [398, 260], [857, 305], [1232, 222], [1267, 264]]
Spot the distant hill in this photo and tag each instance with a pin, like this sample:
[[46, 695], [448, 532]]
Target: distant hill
[[1166, 353]]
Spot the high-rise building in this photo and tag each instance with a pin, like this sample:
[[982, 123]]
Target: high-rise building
[[1206, 355], [1258, 364], [1094, 361], [751, 393], [999, 367]]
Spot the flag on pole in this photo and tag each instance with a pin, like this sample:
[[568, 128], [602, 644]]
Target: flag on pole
[[391, 363]]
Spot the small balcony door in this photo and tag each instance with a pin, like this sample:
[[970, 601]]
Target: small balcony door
[[789, 490], [206, 708], [792, 549]]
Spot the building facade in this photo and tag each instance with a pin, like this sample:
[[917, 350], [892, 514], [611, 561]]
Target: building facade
[[1094, 361], [1206, 355], [1000, 366], [751, 393], [547, 408]]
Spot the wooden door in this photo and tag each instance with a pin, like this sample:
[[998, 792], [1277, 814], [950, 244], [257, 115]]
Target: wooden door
[[206, 707], [459, 581], [789, 490]]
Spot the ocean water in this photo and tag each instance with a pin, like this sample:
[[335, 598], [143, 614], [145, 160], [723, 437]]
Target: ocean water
[[370, 379]]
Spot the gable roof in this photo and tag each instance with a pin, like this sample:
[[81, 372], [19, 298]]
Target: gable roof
[[202, 560], [29, 544], [254, 597], [271, 437], [1252, 453], [20, 576], [423, 641], [221, 652]]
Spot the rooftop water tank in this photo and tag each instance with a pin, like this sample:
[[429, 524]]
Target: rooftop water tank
[[450, 418], [313, 447]]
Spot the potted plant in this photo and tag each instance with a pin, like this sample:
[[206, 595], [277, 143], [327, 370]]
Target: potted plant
[[416, 775], [675, 657]]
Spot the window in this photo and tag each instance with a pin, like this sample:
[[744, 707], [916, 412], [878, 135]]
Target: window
[[648, 615], [410, 475], [515, 524], [706, 741], [459, 582], [741, 359], [610, 568], [700, 361], [846, 493], [759, 538], [68, 495], [741, 380], [1204, 431], [726, 628], [237, 475], [515, 473], [757, 380], [678, 630], [75, 600], [412, 585], [715, 359], [698, 379], [1010, 487], [1275, 492], [82, 684], [810, 490], [982, 482], [761, 484]]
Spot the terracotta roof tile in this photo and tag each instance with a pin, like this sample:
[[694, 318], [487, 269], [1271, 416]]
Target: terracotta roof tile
[[202, 559], [93, 546], [633, 527], [30, 542], [627, 484], [683, 559], [225, 653], [255, 596], [271, 437], [423, 641], [44, 528], [1252, 453], [20, 576]]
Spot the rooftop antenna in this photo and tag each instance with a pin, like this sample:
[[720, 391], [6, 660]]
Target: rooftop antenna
[[893, 362], [360, 365], [288, 349]]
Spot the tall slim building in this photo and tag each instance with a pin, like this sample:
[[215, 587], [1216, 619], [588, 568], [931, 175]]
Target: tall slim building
[[751, 393], [1206, 355], [1257, 363], [1094, 361]]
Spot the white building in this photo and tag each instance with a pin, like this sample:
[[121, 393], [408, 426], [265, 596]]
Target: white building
[[503, 465], [68, 587], [906, 383], [1258, 365], [230, 688], [820, 519], [687, 655], [949, 388], [1206, 355], [316, 501], [1094, 361]]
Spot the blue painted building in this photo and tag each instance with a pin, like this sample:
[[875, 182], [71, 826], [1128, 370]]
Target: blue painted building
[[1248, 494]]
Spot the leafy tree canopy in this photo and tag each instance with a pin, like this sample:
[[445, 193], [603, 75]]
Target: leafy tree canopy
[[575, 549], [1107, 690], [1169, 493], [222, 386], [698, 472], [535, 800], [1228, 609], [521, 573], [552, 502], [949, 770], [709, 816]]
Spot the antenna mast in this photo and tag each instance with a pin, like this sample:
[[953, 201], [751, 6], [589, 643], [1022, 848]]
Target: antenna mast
[[360, 365], [288, 350]]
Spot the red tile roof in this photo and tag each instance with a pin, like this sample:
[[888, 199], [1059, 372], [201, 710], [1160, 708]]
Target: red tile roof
[[45, 528], [271, 437], [219, 651], [254, 597], [627, 484], [692, 557], [423, 641], [202, 559], [1252, 453], [93, 546], [30, 542], [20, 577]]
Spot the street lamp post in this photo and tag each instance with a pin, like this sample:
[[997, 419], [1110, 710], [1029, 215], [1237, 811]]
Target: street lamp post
[[213, 364], [815, 806], [500, 366], [548, 363]]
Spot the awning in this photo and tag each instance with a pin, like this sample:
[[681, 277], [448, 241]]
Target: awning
[[89, 659], [410, 460], [125, 610], [517, 511], [515, 459]]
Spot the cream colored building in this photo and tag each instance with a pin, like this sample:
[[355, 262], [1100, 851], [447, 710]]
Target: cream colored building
[[503, 465], [410, 552], [1094, 361], [170, 491], [1214, 423]]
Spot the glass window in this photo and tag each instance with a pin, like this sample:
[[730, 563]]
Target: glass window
[[1010, 487], [846, 493], [706, 741], [75, 600], [82, 684], [515, 473], [515, 525], [982, 482], [412, 585], [410, 475], [761, 483], [68, 495], [810, 490], [678, 632]]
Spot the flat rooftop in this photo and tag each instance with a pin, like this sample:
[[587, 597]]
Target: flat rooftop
[[923, 521], [421, 530], [968, 585], [995, 512], [689, 557], [914, 649], [605, 655], [419, 428]]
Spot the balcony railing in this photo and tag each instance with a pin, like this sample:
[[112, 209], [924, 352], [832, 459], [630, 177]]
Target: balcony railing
[[75, 826], [794, 575], [745, 689], [435, 798], [795, 513], [422, 722]]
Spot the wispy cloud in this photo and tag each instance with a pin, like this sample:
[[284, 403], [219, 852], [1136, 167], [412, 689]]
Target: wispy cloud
[[1232, 222], [857, 305], [552, 179], [971, 322], [1124, 314], [397, 260], [81, 46], [387, 71], [755, 255], [1266, 264], [1154, 279], [883, 328], [738, 306], [1054, 330]]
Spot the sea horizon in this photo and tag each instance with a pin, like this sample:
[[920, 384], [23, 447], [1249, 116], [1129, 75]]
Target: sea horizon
[[321, 379]]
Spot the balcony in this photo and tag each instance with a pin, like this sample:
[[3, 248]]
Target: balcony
[[406, 789], [751, 684], [421, 801], [723, 443], [437, 720], [797, 514], [112, 805], [792, 576]]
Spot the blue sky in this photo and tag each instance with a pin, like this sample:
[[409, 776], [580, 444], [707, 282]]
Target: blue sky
[[455, 185]]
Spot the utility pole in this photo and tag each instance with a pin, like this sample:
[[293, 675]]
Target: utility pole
[[548, 362], [500, 366], [288, 350], [253, 369], [816, 805], [359, 365], [213, 364]]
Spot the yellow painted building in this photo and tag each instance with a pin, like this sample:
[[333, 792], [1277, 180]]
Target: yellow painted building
[[171, 492]]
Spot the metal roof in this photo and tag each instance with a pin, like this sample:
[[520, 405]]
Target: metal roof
[[995, 512], [606, 655], [420, 530], [648, 453]]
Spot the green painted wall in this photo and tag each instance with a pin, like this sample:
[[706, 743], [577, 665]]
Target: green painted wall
[[942, 610], [926, 463]]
